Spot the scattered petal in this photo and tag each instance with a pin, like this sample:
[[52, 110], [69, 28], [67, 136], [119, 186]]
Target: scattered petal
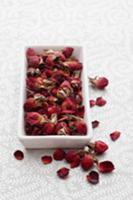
[[100, 101], [92, 103], [93, 177], [63, 172], [95, 124], [115, 135], [106, 166], [46, 159], [19, 155]]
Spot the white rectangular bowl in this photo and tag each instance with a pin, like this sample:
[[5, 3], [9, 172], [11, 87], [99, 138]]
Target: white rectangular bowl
[[39, 142]]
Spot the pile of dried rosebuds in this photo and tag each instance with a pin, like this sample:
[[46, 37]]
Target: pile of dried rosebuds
[[53, 104]]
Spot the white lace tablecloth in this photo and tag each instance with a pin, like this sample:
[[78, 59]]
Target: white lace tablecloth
[[105, 27]]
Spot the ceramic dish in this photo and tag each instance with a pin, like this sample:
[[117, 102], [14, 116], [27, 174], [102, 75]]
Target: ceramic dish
[[38, 142]]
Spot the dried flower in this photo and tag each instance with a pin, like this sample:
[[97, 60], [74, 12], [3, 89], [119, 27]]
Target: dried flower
[[46, 159], [87, 162], [59, 154], [106, 166], [19, 155], [100, 147], [99, 82], [115, 135], [93, 177], [63, 172], [95, 124], [100, 101]]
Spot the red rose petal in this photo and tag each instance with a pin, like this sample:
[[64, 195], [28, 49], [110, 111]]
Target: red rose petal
[[59, 154], [46, 159], [93, 177], [100, 101], [95, 124], [106, 166], [63, 172], [92, 103], [19, 155], [115, 135]]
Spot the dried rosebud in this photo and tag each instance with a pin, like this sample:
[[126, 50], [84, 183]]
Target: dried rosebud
[[93, 177], [76, 83], [59, 56], [46, 159], [65, 84], [100, 147], [33, 61], [73, 65], [48, 73], [63, 172], [33, 72], [80, 111], [99, 82], [70, 156], [34, 118], [87, 162], [75, 162], [30, 104], [54, 91], [30, 52], [19, 155], [50, 60], [59, 154], [35, 83], [106, 166], [52, 100], [68, 104], [54, 109], [35, 102], [115, 135], [60, 76], [48, 128], [81, 127], [79, 98], [95, 124], [67, 51], [62, 128], [100, 101], [92, 103]]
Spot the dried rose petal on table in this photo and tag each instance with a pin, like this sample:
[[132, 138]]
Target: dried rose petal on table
[[19, 155], [93, 177], [99, 82], [115, 135], [63, 172]]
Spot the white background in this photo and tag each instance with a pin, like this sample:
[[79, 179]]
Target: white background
[[105, 27]]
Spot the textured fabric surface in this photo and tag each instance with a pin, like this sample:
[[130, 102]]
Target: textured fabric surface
[[105, 27]]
